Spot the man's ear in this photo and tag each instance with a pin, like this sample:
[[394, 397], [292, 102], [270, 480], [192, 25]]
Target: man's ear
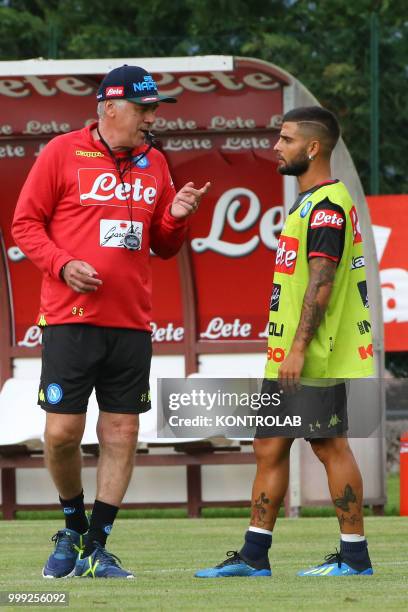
[[110, 108], [314, 149]]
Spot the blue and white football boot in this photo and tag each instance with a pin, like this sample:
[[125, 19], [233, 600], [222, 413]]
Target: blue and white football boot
[[336, 565], [235, 565]]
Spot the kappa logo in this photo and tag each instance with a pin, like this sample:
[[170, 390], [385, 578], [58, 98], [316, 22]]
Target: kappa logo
[[355, 223], [286, 254], [115, 91], [42, 321], [275, 297], [326, 218], [89, 153], [98, 187], [113, 231]]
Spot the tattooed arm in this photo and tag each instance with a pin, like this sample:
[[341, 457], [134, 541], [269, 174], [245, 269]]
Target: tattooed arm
[[315, 302]]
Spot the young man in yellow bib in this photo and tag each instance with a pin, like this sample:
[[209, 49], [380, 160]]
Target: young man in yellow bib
[[318, 311]]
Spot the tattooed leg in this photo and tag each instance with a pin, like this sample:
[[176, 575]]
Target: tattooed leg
[[271, 480], [345, 483], [259, 510]]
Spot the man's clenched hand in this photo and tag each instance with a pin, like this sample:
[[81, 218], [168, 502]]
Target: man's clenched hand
[[81, 276]]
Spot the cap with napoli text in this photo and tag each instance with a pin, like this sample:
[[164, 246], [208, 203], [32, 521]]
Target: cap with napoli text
[[130, 83]]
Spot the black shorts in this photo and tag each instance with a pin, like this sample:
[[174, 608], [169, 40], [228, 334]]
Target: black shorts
[[77, 358], [310, 413]]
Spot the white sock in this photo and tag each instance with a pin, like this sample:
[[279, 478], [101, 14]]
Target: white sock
[[352, 537], [259, 530]]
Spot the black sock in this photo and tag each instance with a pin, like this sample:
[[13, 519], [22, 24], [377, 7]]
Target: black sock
[[256, 545], [355, 554], [74, 512], [100, 526]]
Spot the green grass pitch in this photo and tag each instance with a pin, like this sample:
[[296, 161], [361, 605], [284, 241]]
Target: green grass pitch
[[165, 553]]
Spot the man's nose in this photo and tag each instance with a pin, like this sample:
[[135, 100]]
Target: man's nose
[[150, 116], [277, 146]]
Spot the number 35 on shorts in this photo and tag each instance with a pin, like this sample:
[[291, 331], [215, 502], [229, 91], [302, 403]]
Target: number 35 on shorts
[[78, 310]]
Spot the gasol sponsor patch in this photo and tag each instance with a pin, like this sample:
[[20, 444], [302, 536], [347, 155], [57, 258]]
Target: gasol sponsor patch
[[113, 231]]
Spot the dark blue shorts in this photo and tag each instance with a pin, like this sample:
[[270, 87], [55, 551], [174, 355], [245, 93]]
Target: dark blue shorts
[[309, 412], [78, 358]]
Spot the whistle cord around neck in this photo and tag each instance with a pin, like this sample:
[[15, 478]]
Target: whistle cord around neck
[[121, 174]]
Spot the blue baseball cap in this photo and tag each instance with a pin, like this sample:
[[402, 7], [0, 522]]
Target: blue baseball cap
[[130, 83]]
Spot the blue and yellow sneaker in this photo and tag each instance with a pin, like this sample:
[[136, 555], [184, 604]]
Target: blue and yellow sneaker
[[61, 563], [336, 565], [235, 565], [100, 564]]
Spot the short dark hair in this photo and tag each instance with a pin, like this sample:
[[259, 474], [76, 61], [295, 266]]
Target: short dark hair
[[319, 120]]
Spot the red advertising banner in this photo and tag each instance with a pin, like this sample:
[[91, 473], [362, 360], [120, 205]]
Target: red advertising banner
[[223, 129], [389, 215]]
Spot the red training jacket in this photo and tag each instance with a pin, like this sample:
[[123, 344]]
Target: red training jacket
[[72, 206]]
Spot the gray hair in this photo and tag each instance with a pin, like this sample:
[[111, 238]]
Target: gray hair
[[100, 109]]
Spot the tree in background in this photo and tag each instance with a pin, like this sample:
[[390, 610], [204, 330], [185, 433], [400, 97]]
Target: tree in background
[[21, 34], [324, 43]]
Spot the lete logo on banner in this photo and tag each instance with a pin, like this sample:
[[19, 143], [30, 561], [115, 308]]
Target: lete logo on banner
[[389, 215], [390, 218]]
